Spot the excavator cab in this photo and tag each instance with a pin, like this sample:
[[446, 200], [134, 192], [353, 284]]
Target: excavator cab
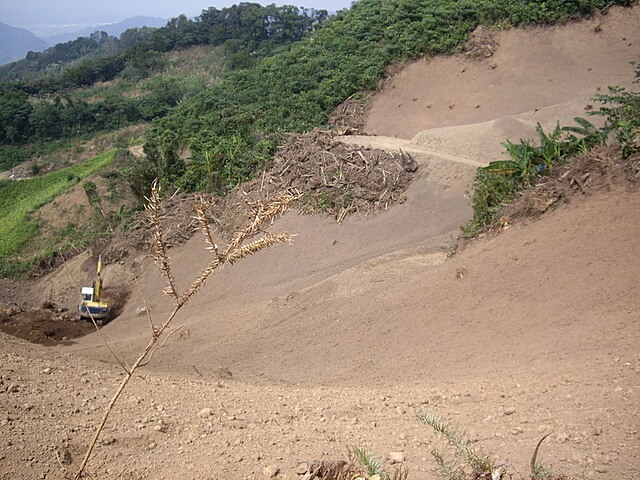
[[87, 294]]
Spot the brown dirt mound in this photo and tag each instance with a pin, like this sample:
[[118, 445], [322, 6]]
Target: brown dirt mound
[[334, 178], [49, 325], [599, 169]]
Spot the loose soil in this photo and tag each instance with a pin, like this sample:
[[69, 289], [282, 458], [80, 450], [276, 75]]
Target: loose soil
[[296, 354]]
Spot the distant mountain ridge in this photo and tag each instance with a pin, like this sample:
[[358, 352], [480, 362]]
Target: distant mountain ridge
[[113, 29], [16, 42]]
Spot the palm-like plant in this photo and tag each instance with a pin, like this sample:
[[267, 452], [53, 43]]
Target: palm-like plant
[[528, 161], [589, 136]]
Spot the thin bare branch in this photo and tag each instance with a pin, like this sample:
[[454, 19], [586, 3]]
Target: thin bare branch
[[147, 310], [106, 343], [146, 362]]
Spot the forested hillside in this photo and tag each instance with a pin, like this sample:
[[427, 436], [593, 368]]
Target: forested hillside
[[45, 97], [229, 85]]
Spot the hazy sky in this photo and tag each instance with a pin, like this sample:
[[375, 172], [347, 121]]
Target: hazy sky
[[40, 13]]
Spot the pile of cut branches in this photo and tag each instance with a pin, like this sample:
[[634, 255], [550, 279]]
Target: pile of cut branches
[[335, 178]]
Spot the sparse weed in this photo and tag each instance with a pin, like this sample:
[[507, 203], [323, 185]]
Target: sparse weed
[[480, 465]]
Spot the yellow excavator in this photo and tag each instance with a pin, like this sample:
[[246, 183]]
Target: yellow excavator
[[91, 306]]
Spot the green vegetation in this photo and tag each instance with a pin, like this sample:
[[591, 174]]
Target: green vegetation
[[39, 96], [295, 90], [18, 199], [450, 469], [467, 462], [499, 182], [622, 109]]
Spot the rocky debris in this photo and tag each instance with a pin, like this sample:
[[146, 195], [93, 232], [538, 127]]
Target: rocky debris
[[205, 412], [336, 178], [481, 43], [349, 117], [396, 457], [48, 325], [51, 404], [408, 162], [270, 472]]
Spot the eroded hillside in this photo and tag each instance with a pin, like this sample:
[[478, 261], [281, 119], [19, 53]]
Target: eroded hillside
[[340, 339]]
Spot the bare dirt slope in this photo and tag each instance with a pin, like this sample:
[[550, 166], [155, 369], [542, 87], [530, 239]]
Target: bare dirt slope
[[342, 338]]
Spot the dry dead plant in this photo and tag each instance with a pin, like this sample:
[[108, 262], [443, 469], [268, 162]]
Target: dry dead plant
[[360, 464], [240, 246]]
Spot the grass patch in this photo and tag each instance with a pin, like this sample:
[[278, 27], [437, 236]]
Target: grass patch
[[18, 199]]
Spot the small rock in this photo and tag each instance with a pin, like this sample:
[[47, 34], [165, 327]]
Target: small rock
[[205, 412], [302, 468], [270, 472], [407, 162], [400, 410], [65, 457], [396, 457], [509, 410], [161, 427]]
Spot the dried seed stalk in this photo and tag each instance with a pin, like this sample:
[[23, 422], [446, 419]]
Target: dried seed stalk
[[236, 250]]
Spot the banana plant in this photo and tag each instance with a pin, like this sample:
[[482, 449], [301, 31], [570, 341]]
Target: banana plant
[[528, 161], [522, 165], [589, 136], [551, 147]]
